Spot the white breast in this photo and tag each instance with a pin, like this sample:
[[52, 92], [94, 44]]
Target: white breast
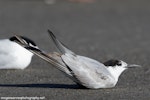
[[13, 56]]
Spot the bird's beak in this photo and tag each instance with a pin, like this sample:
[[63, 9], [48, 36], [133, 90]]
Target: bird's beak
[[133, 66]]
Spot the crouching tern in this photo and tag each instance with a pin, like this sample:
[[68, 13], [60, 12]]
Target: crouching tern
[[84, 71], [14, 56]]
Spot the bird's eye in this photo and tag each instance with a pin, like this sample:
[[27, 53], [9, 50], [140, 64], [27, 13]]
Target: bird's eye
[[119, 63]]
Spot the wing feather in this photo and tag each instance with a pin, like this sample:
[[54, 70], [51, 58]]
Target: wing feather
[[52, 58], [87, 71], [61, 47]]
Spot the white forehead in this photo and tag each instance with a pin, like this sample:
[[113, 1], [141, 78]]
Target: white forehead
[[124, 63]]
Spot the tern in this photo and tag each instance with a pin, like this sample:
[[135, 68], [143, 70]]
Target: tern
[[84, 71], [14, 56]]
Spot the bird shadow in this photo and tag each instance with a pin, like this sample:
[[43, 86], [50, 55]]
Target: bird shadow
[[57, 86]]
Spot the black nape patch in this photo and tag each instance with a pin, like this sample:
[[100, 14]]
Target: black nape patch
[[29, 41], [112, 62]]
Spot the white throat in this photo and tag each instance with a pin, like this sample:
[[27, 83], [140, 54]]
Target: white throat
[[116, 72]]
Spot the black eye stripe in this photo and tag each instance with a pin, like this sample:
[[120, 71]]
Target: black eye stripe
[[119, 64]]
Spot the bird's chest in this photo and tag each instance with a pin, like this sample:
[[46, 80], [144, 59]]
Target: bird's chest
[[102, 80]]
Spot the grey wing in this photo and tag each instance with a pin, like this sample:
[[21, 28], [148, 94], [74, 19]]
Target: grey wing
[[93, 64], [78, 71], [61, 47], [104, 77], [86, 76]]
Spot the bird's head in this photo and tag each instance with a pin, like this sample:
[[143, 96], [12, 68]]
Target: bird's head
[[23, 40], [116, 67], [119, 64]]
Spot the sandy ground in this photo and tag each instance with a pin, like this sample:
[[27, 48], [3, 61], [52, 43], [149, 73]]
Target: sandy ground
[[102, 30]]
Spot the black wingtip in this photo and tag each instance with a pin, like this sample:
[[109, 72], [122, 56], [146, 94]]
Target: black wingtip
[[51, 34], [49, 31], [17, 38], [33, 49]]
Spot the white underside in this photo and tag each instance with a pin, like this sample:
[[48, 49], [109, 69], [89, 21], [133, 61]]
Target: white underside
[[13, 56]]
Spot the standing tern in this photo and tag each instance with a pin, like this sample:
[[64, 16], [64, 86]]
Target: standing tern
[[84, 71], [14, 56]]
